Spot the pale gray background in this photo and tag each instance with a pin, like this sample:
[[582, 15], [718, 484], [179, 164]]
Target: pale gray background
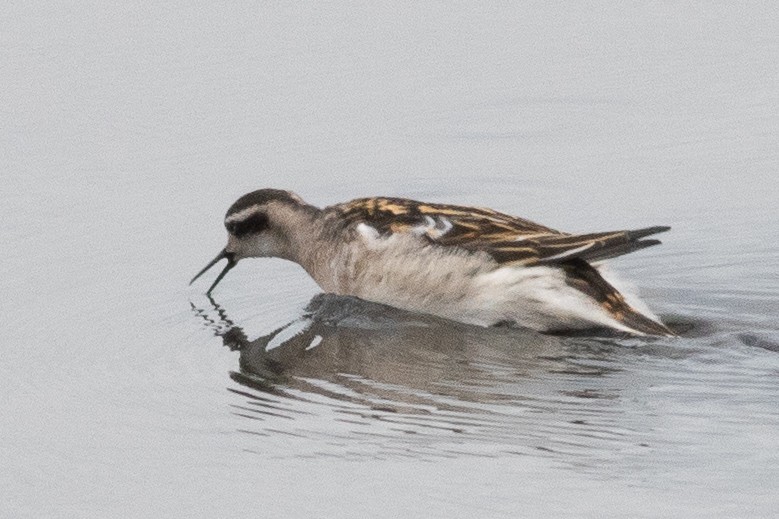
[[127, 129]]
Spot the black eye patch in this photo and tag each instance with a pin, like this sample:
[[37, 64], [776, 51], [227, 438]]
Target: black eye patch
[[255, 223]]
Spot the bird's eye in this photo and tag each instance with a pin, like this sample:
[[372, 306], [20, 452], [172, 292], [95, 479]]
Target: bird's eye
[[253, 224]]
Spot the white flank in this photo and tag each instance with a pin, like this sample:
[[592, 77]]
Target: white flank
[[369, 233], [402, 271], [540, 298]]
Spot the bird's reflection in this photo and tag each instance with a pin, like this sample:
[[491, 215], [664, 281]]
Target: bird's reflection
[[351, 350]]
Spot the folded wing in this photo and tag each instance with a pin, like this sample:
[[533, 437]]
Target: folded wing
[[508, 239]]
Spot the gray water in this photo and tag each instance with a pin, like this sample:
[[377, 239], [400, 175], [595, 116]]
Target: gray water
[[126, 131]]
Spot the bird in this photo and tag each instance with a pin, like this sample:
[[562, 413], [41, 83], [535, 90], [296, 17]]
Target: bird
[[468, 264]]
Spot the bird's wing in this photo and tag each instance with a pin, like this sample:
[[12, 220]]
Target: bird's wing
[[508, 239]]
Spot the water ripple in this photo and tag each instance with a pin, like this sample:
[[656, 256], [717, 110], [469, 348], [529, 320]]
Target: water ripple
[[355, 378]]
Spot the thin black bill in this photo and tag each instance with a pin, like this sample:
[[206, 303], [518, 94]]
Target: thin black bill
[[229, 256]]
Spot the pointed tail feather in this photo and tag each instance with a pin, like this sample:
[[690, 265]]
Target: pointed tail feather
[[647, 231], [619, 250], [596, 246], [585, 278], [643, 324]]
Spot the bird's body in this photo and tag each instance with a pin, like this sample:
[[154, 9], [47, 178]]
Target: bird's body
[[467, 264]]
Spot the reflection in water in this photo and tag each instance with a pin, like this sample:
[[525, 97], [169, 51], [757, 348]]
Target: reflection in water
[[358, 363]]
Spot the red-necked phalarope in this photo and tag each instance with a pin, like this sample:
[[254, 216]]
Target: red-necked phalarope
[[468, 264]]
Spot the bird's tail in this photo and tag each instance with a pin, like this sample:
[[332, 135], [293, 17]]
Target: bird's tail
[[585, 278]]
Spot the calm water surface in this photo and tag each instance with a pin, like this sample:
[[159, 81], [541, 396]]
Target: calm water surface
[[126, 132]]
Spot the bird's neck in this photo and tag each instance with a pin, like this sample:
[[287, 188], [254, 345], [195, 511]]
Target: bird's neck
[[300, 231], [317, 246]]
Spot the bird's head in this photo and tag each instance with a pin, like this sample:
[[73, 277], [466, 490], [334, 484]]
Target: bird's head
[[258, 226]]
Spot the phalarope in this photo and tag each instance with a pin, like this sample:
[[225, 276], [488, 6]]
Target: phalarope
[[467, 264]]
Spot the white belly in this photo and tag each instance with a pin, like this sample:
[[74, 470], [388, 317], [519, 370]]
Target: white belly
[[458, 285]]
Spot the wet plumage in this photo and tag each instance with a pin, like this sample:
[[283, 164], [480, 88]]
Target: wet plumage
[[469, 264]]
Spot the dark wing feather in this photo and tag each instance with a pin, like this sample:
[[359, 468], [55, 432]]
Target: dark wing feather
[[398, 214], [506, 238], [585, 278]]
